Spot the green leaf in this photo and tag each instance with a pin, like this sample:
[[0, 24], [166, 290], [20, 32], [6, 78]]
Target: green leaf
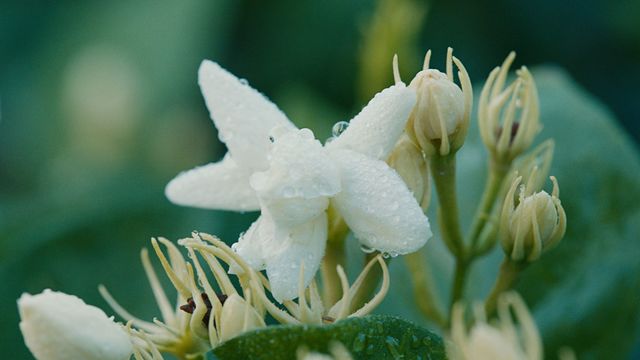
[[584, 293], [371, 337]]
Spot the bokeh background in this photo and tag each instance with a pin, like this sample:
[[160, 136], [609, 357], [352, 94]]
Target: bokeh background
[[99, 108]]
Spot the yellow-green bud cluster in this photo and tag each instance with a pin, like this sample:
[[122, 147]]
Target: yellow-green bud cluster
[[509, 117], [532, 226]]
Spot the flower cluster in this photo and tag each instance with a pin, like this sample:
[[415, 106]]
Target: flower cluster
[[60, 326]]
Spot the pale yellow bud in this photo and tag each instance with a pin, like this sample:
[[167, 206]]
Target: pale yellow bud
[[512, 335], [534, 225], [238, 316], [410, 163], [509, 117], [440, 118]]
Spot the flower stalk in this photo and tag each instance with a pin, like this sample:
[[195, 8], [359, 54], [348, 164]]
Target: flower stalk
[[423, 288], [507, 277]]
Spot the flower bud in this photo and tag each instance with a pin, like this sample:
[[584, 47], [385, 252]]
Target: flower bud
[[536, 224], [238, 316], [509, 117], [440, 118], [512, 335], [58, 326], [410, 163]]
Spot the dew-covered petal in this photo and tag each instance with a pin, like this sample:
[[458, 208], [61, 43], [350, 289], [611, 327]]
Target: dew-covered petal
[[58, 326], [252, 243], [375, 130], [222, 185], [377, 205], [303, 244], [244, 117], [299, 167]]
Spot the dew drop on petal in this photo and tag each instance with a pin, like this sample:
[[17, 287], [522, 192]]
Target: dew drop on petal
[[367, 250], [339, 127], [244, 82]]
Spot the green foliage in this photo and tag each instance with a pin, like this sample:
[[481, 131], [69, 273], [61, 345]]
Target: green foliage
[[371, 337]]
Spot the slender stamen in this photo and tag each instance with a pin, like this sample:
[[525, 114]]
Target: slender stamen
[[158, 292], [122, 312], [396, 70], [377, 299], [427, 60]]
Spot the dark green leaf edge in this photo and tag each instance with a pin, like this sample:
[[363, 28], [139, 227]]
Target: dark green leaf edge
[[370, 337]]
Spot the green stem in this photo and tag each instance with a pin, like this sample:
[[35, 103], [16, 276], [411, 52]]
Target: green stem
[[507, 277], [459, 279], [443, 171], [497, 173], [423, 287], [334, 255]]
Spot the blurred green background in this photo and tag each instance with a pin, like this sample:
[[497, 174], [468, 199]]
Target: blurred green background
[[99, 108]]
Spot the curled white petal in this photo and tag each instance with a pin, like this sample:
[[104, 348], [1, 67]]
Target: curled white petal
[[377, 205], [252, 244], [303, 244], [375, 130], [58, 326], [244, 117], [222, 185]]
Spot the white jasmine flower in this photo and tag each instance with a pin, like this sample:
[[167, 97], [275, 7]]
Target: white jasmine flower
[[58, 326], [502, 340], [292, 178]]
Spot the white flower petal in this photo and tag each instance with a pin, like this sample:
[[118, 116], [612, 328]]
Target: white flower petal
[[304, 244], [57, 326], [252, 243], [375, 130], [378, 206], [222, 185], [299, 167], [244, 117]]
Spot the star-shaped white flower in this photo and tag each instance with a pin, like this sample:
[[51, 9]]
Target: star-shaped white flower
[[291, 177]]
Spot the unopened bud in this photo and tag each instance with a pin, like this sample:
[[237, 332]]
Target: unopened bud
[[509, 117], [440, 118], [536, 224], [410, 163], [58, 326], [238, 316]]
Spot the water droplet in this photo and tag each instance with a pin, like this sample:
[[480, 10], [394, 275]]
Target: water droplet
[[367, 250], [371, 349], [359, 342], [385, 255], [244, 82], [339, 127]]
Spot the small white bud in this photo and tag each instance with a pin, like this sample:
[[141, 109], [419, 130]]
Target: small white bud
[[238, 316], [410, 163], [57, 326], [440, 118]]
